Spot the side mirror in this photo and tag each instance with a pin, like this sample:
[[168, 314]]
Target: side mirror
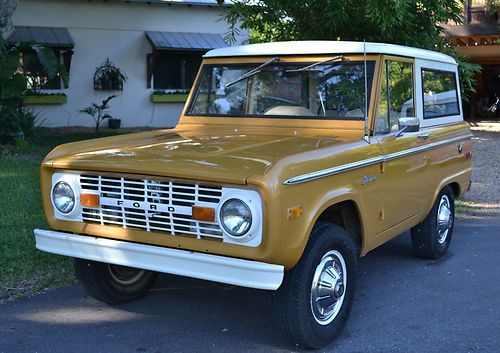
[[409, 124]]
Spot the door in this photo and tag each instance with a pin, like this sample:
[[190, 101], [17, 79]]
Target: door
[[404, 168]]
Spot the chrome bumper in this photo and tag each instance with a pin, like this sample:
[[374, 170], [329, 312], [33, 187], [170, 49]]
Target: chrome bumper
[[209, 267]]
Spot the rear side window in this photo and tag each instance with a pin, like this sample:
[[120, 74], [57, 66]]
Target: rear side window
[[440, 93]]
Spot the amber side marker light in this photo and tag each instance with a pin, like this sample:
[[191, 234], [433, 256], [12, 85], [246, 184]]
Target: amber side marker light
[[89, 200], [205, 214], [294, 212]]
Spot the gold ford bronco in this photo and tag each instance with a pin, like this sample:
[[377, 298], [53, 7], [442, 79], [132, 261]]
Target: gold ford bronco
[[290, 161]]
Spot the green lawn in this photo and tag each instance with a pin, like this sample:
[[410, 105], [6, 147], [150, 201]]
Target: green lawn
[[23, 269]]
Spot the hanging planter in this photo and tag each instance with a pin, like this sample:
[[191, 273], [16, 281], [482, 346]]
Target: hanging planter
[[108, 77]]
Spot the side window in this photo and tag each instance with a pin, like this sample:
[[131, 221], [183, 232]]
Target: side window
[[396, 96], [439, 89]]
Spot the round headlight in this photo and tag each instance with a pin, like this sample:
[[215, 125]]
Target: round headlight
[[63, 197], [236, 217]]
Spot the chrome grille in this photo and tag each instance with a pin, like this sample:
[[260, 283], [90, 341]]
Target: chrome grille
[[151, 205]]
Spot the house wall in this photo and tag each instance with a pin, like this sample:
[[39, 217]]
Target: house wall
[[114, 30]]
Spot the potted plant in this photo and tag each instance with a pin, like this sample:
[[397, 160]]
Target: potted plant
[[98, 112], [114, 123], [109, 77]]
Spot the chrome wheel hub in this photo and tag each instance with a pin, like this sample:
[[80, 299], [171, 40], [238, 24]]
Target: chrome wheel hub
[[125, 275], [328, 287], [444, 219]]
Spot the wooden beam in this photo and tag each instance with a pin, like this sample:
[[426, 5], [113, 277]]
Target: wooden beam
[[476, 40]]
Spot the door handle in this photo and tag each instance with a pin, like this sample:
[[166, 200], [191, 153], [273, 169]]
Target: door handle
[[423, 136]]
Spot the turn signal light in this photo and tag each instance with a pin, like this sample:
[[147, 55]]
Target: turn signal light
[[294, 212], [204, 214], [89, 200]]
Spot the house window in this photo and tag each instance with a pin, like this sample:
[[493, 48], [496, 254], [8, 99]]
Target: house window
[[34, 71], [56, 38], [175, 71]]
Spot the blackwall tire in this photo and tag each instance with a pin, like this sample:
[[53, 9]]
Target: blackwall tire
[[313, 303], [432, 237], [113, 284]]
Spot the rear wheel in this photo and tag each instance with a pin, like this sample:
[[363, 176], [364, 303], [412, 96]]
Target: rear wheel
[[113, 284], [314, 301], [432, 237]]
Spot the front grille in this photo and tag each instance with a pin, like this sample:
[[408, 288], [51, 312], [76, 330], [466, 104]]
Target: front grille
[[151, 205]]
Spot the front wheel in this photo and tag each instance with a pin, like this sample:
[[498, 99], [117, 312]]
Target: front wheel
[[314, 301], [432, 237], [113, 284]]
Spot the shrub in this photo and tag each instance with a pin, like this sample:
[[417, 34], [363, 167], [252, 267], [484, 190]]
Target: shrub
[[16, 124]]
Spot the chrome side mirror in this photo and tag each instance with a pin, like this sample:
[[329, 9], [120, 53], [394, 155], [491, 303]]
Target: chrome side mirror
[[409, 124]]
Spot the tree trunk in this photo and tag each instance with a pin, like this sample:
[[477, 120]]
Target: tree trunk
[[7, 8]]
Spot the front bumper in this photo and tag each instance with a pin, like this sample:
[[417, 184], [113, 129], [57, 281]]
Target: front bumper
[[210, 267]]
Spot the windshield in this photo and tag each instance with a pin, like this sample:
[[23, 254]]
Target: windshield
[[328, 91]]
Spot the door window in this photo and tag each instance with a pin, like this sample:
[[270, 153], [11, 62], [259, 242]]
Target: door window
[[396, 96]]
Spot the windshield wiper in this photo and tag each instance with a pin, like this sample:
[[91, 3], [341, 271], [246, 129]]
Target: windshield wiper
[[342, 58], [252, 72]]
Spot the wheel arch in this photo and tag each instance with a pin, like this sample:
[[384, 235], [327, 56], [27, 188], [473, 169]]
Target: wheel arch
[[344, 212], [455, 186], [459, 183]]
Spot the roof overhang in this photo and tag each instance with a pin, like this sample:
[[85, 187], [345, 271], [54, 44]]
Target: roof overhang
[[207, 3], [473, 34]]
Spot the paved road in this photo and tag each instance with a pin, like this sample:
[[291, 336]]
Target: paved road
[[403, 305]]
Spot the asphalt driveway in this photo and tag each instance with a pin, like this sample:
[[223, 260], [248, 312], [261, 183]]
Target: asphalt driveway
[[403, 304]]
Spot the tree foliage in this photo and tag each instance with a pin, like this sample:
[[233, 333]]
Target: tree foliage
[[405, 22], [13, 86]]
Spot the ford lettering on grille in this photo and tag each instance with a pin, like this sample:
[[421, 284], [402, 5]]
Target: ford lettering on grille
[[156, 206]]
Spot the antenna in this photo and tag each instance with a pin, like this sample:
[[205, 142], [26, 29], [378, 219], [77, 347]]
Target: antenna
[[366, 137]]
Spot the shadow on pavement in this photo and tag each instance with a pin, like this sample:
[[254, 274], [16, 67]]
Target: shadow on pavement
[[402, 304]]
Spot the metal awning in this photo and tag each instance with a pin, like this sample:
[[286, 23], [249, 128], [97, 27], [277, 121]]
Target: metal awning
[[185, 41], [48, 36]]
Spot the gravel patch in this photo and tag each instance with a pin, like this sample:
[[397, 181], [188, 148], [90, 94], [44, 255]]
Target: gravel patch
[[484, 197]]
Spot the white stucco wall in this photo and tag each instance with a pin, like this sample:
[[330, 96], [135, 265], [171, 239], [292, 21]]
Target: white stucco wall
[[114, 30]]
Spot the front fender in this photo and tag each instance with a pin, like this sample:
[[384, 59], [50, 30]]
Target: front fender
[[295, 234]]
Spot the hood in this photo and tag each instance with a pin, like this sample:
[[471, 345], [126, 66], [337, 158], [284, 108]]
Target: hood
[[214, 154]]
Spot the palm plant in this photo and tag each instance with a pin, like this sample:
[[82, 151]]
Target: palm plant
[[13, 84], [98, 112]]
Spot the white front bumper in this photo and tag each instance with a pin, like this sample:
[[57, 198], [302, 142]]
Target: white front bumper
[[216, 268]]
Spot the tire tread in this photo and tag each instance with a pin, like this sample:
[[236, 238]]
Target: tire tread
[[290, 308]]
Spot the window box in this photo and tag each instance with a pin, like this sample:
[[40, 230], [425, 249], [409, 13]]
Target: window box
[[169, 97], [46, 99]]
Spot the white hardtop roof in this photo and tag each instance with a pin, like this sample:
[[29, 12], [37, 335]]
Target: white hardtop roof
[[327, 47]]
